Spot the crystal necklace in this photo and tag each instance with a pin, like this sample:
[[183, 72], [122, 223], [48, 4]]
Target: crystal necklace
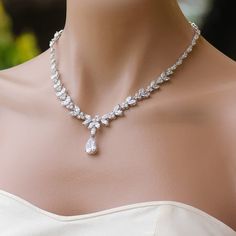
[[93, 124]]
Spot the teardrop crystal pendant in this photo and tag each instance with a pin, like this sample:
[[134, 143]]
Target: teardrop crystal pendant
[[91, 146]]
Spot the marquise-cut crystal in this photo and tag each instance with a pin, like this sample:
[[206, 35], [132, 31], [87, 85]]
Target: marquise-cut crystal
[[91, 146], [61, 92], [55, 76], [143, 93], [63, 97], [66, 101], [118, 110], [131, 101], [105, 122], [87, 121], [58, 83], [70, 106]]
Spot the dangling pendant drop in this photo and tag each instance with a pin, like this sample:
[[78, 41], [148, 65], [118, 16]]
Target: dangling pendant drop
[[91, 145]]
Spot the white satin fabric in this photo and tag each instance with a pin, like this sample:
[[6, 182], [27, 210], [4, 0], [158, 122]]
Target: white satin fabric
[[19, 217]]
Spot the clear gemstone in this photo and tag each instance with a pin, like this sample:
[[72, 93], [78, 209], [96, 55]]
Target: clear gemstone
[[61, 92], [53, 60], [143, 93], [77, 109], [168, 72], [70, 106], [106, 116], [124, 105], [55, 76], [73, 113], [174, 67], [91, 125], [159, 80], [63, 97], [54, 68], [87, 121], [58, 89], [93, 131], [105, 122], [118, 110], [131, 101], [81, 115], [149, 88], [179, 62], [138, 96], [97, 118], [52, 50], [154, 84], [97, 125], [189, 49], [66, 101], [91, 146], [112, 115], [58, 83], [185, 54], [105, 119]]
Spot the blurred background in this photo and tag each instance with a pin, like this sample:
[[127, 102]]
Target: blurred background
[[26, 26]]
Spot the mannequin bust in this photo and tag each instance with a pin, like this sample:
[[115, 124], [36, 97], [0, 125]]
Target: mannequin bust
[[178, 145]]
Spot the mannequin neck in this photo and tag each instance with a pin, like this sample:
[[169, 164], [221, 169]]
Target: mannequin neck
[[116, 44]]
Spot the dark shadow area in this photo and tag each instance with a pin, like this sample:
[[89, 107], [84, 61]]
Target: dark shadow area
[[38, 16], [46, 17], [219, 27]]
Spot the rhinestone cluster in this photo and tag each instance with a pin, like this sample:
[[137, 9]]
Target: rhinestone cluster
[[96, 122]]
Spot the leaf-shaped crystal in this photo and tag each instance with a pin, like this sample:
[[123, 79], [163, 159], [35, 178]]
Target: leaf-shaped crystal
[[57, 84], [55, 77], [76, 111], [67, 101], [131, 101], [124, 105], [105, 122], [61, 92], [143, 93], [88, 120], [70, 106], [117, 110], [91, 125], [97, 124], [154, 84], [105, 119], [63, 97]]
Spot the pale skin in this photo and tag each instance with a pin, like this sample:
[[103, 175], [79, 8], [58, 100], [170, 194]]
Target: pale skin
[[178, 145]]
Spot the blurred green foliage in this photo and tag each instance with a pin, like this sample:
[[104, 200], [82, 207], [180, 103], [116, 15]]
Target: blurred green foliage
[[14, 50]]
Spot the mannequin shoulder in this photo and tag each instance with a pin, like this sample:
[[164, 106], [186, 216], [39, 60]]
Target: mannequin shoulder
[[214, 75], [208, 86], [18, 82], [217, 73], [26, 72]]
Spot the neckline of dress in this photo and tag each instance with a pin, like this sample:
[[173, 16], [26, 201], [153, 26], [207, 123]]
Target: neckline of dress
[[112, 210]]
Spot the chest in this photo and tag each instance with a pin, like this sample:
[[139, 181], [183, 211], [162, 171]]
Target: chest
[[169, 153]]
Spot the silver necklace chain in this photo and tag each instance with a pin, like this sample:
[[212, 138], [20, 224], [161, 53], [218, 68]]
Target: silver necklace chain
[[95, 123]]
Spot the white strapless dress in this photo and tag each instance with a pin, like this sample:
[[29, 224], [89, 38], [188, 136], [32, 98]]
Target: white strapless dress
[[19, 217]]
